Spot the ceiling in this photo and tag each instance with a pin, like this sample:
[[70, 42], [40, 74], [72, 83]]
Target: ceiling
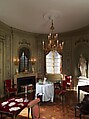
[[36, 15]]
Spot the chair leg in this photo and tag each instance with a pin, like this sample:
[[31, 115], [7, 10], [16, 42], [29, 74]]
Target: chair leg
[[28, 112], [1, 115], [63, 98], [76, 109], [8, 95], [80, 115], [75, 112]]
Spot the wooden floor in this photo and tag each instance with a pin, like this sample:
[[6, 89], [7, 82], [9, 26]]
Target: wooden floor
[[57, 109]]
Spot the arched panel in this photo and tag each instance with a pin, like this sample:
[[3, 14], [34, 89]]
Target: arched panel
[[80, 49]]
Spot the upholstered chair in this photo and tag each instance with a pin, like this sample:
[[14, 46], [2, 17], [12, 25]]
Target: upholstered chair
[[9, 87], [82, 108], [34, 109], [69, 81], [61, 90]]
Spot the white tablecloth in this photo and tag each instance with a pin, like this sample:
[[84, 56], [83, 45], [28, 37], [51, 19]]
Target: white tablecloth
[[47, 91]]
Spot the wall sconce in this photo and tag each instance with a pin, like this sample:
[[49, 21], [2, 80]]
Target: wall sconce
[[33, 61], [16, 61]]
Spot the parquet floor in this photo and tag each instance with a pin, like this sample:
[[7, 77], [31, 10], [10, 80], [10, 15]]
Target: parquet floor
[[57, 109]]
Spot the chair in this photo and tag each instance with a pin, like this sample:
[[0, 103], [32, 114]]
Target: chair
[[34, 109], [69, 81], [31, 91], [83, 107], [9, 87], [28, 90], [61, 90], [57, 88]]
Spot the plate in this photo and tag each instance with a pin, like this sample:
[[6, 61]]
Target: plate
[[11, 104], [14, 108]]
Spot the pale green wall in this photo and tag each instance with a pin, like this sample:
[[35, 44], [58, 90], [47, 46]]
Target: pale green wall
[[76, 42]]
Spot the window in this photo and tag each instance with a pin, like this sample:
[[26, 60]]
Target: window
[[53, 62], [24, 56]]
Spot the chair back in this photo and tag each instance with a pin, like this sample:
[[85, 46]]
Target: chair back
[[57, 85], [86, 98], [9, 88], [8, 83], [68, 79], [64, 85], [35, 110], [30, 88]]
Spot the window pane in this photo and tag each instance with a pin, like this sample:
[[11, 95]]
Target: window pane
[[53, 62], [57, 70], [49, 70]]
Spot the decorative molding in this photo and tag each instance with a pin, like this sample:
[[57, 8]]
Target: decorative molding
[[24, 42], [2, 37], [81, 40]]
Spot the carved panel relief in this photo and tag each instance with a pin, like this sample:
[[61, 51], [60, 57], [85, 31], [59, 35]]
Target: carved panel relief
[[80, 47], [1, 66]]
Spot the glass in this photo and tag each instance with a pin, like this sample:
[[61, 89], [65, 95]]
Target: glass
[[53, 62]]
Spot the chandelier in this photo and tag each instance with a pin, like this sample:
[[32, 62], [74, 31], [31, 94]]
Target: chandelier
[[53, 43]]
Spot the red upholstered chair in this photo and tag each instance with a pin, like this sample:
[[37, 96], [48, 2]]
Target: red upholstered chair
[[69, 81], [61, 91], [34, 109], [9, 87]]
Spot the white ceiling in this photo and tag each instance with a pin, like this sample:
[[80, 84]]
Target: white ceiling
[[35, 15]]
